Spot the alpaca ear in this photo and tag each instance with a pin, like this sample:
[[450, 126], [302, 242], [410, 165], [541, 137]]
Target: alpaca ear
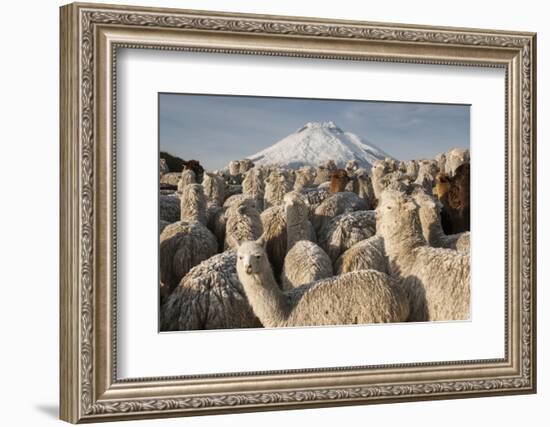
[[261, 240], [409, 206]]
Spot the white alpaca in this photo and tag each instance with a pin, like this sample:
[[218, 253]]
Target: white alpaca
[[343, 231], [427, 171], [437, 279], [305, 177], [169, 208], [441, 159], [210, 296], [359, 297], [305, 261], [274, 226], [368, 254], [432, 230], [214, 188], [313, 197], [383, 178], [186, 243], [234, 167], [455, 158], [277, 186], [163, 167], [245, 165], [254, 187], [193, 204], [170, 178], [362, 186], [243, 222], [324, 172], [182, 246], [187, 177], [411, 169], [336, 204], [351, 166]]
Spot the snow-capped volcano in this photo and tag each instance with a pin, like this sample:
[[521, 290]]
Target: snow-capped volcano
[[315, 143]]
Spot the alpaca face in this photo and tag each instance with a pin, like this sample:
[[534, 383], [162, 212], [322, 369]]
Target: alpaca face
[[250, 258], [396, 215]]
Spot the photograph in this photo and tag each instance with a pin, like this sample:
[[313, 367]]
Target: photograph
[[279, 201], [300, 212]]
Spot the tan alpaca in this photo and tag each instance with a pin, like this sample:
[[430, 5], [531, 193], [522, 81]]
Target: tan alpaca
[[437, 279]]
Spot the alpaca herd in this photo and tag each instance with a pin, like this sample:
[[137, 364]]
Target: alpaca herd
[[265, 246]]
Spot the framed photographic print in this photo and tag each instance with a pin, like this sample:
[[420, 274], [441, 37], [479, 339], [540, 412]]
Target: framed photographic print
[[267, 212]]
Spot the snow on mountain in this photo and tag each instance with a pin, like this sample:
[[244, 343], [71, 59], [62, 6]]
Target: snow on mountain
[[315, 143]]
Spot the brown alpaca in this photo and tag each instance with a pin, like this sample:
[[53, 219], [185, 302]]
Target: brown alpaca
[[442, 186], [459, 198], [454, 194], [338, 181]]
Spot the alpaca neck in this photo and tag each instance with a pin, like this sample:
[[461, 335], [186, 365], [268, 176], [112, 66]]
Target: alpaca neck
[[296, 228], [268, 302], [400, 248], [193, 210], [432, 229]]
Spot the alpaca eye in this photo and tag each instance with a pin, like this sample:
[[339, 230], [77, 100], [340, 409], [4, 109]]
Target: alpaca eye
[[240, 257], [257, 256]]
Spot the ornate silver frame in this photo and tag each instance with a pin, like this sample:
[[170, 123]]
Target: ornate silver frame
[[90, 36]]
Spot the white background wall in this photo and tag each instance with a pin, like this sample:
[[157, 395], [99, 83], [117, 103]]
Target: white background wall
[[29, 170]]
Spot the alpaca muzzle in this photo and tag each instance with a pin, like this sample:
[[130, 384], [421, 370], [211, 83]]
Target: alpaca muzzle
[[248, 269]]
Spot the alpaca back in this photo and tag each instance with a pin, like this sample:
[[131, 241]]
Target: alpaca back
[[182, 246], [343, 231], [368, 254], [169, 208], [209, 297], [304, 263], [336, 204], [438, 285], [359, 297]]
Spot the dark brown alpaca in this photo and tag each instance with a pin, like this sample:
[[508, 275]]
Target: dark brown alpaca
[[454, 194], [338, 181]]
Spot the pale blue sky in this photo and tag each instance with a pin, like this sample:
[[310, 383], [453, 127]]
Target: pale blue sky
[[216, 129]]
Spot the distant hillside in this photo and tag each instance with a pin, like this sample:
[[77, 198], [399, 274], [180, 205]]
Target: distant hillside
[[175, 164]]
